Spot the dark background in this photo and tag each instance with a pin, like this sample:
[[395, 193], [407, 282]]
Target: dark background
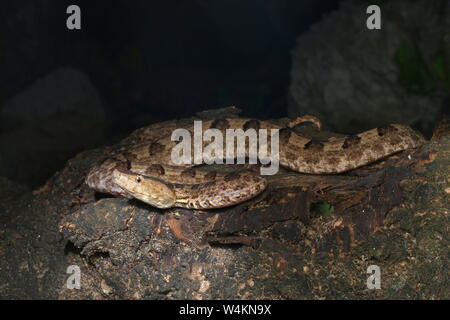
[[147, 60], [166, 59]]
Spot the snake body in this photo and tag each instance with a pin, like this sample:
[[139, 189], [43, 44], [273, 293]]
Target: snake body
[[144, 169]]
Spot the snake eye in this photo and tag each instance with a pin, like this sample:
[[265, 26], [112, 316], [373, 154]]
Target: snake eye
[[138, 179]]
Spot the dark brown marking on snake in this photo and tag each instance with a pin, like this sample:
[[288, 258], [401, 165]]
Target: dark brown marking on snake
[[385, 130], [251, 124], [155, 148], [195, 186], [314, 145], [206, 184], [129, 156], [285, 135], [188, 173], [394, 140], [123, 166], [221, 124], [211, 175], [351, 141], [304, 124], [231, 176], [155, 169]]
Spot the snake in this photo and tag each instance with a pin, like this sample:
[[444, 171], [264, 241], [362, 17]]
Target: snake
[[143, 169]]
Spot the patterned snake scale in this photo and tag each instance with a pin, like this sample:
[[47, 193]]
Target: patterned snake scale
[[145, 170]]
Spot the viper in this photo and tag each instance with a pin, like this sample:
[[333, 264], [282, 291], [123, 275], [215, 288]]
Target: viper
[[144, 168]]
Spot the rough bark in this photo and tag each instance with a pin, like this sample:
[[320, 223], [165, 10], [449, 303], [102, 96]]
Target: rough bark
[[280, 245]]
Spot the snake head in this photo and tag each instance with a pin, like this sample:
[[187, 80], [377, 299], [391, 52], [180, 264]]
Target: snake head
[[147, 189]]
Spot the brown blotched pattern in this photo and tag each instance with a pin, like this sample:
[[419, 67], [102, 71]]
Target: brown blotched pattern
[[314, 145], [252, 124], [202, 189], [188, 173], [155, 148], [285, 135], [221, 124], [211, 175], [234, 188], [155, 170], [386, 130], [343, 154], [351, 142]]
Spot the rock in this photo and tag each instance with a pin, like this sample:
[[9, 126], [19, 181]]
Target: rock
[[128, 250], [10, 189], [273, 242], [50, 121], [355, 79], [63, 91]]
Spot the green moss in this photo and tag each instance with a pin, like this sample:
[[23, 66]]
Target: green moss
[[323, 208], [440, 69], [414, 75]]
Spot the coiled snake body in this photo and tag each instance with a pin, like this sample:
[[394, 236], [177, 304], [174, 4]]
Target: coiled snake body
[[145, 170]]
